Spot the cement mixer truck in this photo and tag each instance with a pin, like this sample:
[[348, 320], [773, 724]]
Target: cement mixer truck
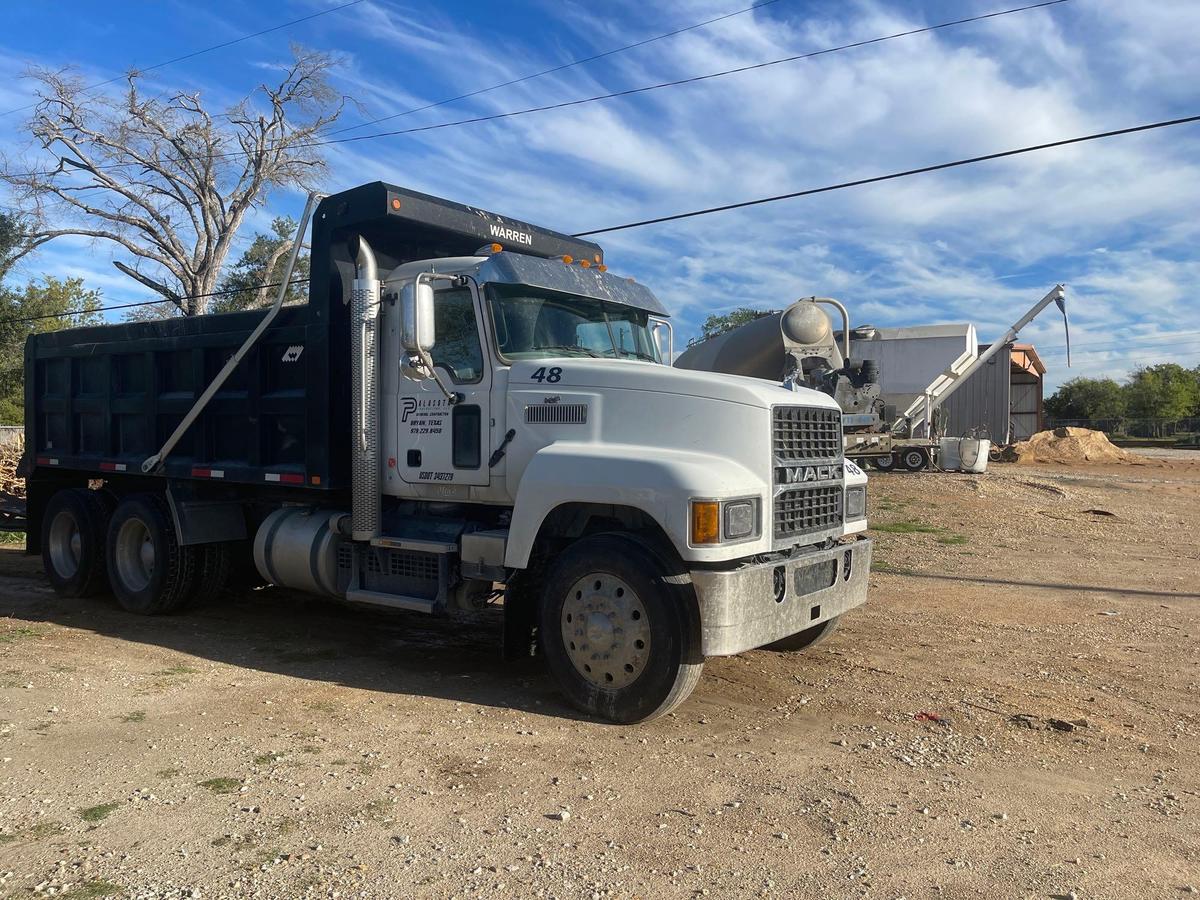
[[798, 347], [469, 410]]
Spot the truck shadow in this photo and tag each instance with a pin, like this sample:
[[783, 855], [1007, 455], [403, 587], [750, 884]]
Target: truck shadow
[[289, 633]]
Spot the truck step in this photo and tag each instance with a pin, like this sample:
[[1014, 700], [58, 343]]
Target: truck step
[[391, 601], [417, 544]]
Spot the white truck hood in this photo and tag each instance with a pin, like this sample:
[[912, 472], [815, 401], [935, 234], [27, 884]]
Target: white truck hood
[[634, 375]]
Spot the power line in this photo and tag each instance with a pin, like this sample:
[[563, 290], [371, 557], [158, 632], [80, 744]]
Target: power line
[[473, 120], [1134, 340], [875, 179], [559, 68], [104, 309], [1120, 349], [195, 53]]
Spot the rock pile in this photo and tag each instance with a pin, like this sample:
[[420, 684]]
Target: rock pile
[[1068, 445]]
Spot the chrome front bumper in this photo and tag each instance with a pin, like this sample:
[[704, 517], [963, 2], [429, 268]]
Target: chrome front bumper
[[757, 604]]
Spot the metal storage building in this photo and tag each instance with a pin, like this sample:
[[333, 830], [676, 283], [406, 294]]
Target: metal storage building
[[1004, 396]]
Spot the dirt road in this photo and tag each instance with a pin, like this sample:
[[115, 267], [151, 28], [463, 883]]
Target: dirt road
[[1014, 714]]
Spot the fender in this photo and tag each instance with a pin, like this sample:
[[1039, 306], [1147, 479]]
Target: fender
[[655, 480]]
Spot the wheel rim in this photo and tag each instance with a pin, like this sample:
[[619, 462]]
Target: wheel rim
[[606, 631], [913, 460], [134, 555], [66, 544]]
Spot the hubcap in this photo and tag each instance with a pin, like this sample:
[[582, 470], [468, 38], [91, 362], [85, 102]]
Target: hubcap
[[605, 631], [66, 544], [134, 555]]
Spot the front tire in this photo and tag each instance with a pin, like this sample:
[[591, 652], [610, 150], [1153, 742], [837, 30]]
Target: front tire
[[73, 533], [620, 639], [149, 571], [809, 637]]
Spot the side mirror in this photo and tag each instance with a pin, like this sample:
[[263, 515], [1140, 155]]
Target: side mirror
[[416, 317]]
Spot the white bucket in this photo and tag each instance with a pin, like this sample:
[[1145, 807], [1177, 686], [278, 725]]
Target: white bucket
[[973, 454], [949, 457]]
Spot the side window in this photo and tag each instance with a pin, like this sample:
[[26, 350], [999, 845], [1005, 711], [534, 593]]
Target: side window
[[456, 347]]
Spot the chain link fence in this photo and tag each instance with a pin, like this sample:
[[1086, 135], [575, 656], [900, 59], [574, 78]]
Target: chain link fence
[[1182, 431]]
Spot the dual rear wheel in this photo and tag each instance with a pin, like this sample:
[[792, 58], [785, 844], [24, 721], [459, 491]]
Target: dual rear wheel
[[91, 543]]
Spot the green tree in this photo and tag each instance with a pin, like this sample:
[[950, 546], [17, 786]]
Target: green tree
[[263, 263], [59, 303], [12, 242], [719, 324], [1087, 398], [1163, 391]]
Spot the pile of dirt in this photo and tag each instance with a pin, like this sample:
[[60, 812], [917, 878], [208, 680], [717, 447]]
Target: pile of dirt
[[10, 455], [1068, 445]]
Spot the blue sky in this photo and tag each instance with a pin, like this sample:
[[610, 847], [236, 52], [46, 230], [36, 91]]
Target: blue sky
[[1115, 220]]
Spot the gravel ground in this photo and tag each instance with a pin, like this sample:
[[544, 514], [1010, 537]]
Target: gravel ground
[[1013, 714]]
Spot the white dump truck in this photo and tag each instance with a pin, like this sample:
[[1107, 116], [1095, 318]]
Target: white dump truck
[[467, 408]]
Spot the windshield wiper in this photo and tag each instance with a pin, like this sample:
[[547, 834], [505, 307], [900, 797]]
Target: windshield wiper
[[573, 347], [637, 354]]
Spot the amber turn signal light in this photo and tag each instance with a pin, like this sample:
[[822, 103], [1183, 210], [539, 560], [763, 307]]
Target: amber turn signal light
[[706, 522]]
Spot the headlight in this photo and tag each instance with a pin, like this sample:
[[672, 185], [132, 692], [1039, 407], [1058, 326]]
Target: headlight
[[720, 521], [856, 502], [739, 519]]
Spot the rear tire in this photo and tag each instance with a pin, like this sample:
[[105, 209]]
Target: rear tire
[[621, 641], [214, 565], [74, 526], [809, 637], [149, 572], [914, 460]]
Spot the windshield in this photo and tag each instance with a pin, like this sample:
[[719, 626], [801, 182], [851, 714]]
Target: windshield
[[533, 323]]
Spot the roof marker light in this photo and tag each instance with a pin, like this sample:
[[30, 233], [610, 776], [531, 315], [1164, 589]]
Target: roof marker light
[[585, 263], [496, 248], [395, 203], [568, 259]]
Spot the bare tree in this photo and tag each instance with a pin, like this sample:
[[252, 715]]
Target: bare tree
[[164, 179]]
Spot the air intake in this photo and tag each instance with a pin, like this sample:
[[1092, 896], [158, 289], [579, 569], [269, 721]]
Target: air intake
[[556, 414]]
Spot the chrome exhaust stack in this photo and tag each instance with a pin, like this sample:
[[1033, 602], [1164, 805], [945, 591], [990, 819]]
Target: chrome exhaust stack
[[367, 476]]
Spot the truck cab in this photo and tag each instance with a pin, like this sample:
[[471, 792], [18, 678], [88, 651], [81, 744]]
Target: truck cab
[[496, 417]]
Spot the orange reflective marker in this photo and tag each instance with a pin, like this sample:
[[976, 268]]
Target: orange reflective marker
[[395, 203]]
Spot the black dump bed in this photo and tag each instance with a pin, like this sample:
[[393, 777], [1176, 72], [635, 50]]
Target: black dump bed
[[104, 398]]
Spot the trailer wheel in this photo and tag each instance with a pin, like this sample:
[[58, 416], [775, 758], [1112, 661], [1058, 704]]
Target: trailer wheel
[[150, 573], [73, 531], [619, 638], [885, 463], [914, 460], [809, 637]]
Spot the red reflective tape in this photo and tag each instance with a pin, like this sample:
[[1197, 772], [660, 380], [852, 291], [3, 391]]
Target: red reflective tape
[[113, 467], [284, 477], [43, 461], [208, 473]]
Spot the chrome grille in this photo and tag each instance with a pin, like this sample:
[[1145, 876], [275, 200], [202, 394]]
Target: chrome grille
[[807, 510], [804, 433]]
